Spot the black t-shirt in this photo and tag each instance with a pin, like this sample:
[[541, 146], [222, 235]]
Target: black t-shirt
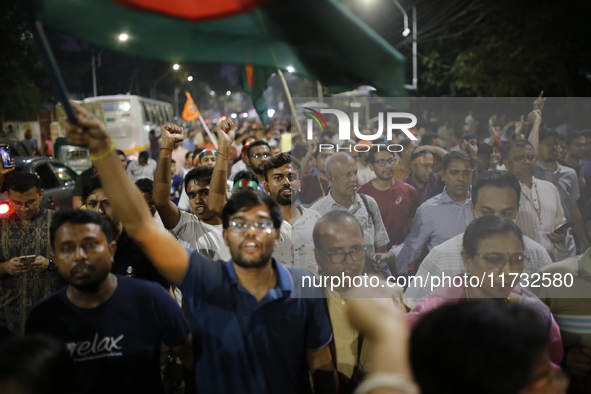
[[130, 254], [115, 346]]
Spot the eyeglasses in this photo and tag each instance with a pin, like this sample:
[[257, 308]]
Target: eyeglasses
[[497, 261], [357, 253], [383, 162], [261, 155], [260, 226]]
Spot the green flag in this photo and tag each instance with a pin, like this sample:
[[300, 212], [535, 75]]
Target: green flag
[[254, 82]]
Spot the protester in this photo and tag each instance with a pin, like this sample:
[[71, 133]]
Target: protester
[[251, 221]]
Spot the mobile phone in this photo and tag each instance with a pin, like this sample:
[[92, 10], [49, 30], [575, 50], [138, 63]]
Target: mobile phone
[[563, 228], [27, 260], [5, 154]]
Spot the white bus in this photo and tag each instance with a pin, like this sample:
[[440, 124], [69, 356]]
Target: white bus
[[129, 120]]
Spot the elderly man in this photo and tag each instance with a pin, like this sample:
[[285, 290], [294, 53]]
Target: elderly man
[[253, 331], [341, 171], [25, 232], [340, 253], [493, 193], [540, 211], [441, 217]]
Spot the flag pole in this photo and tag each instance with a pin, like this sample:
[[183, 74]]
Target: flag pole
[[213, 139], [290, 101]]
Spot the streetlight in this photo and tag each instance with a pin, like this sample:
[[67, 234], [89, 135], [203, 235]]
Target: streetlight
[[290, 69], [95, 65], [228, 93], [190, 78], [175, 67], [405, 33], [123, 37]]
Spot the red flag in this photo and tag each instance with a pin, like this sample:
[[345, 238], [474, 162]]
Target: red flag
[[190, 111]]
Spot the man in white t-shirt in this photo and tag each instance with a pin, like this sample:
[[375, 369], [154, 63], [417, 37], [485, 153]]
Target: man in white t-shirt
[[201, 229]]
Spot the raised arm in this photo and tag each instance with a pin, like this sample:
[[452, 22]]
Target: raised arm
[[167, 255], [168, 211], [217, 189], [535, 117]]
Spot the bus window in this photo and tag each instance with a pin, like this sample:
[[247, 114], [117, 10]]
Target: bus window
[[147, 117]]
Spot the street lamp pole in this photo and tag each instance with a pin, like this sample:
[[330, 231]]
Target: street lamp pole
[[94, 67], [153, 89]]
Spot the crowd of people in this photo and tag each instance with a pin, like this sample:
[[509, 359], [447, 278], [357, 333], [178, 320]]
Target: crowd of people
[[185, 270]]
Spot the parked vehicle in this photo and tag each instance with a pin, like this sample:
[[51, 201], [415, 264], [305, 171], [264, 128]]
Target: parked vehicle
[[57, 181]]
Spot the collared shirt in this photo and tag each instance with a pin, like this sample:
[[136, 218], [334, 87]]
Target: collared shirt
[[137, 171], [540, 212], [295, 248], [431, 189], [374, 232], [250, 346], [446, 259], [18, 294], [566, 181], [437, 220]]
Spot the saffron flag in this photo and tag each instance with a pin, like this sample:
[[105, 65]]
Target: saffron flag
[[190, 111], [320, 40], [254, 82]]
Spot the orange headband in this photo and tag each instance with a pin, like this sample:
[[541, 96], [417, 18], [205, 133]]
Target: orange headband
[[423, 160]]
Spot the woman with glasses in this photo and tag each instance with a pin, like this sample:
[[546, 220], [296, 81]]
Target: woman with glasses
[[494, 260]]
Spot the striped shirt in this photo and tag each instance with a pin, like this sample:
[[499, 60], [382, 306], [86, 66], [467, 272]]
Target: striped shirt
[[540, 212], [446, 259], [437, 220]]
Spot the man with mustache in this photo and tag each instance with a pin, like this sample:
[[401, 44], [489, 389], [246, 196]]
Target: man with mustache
[[113, 326], [201, 229], [398, 201], [341, 172], [540, 212], [283, 183], [441, 217], [255, 327]]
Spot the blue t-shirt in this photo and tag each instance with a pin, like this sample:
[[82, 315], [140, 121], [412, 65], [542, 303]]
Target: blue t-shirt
[[176, 188], [245, 346], [115, 346]]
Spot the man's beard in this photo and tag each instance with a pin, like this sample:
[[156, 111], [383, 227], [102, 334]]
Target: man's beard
[[261, 262], [93, 286], [281, 200], [258, 170]]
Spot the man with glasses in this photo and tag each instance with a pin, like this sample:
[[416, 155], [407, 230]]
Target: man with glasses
[[493, 193], [252, 329], [340, 252], [258, 153], [540, 212], [341, 172], [564, 178], [398, 202], [441, 217]]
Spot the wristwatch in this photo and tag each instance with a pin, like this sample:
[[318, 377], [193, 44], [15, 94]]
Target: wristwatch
[[51, 266]]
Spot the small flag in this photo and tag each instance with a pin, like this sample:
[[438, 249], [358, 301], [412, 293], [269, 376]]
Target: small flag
[[190, 111], [254, 82]]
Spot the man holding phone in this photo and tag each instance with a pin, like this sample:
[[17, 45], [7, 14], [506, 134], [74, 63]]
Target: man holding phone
[[26, 273]]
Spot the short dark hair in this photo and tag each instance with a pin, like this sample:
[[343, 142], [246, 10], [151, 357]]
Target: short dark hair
[[78, 216], [247, 199], [246, 174], [371, 154], [484, 149], [256, 143], [451, 346], [335, 216], [145, 185], [144, 155], [517, 144], [547, 133], [573, 135], [279, 161], [121, 153], [496, 178], [428, 138], [405, 143], [91, 184], [203, 173], [457, 155], [468, 136], [482, 228], [22, 182], [172, 161]]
